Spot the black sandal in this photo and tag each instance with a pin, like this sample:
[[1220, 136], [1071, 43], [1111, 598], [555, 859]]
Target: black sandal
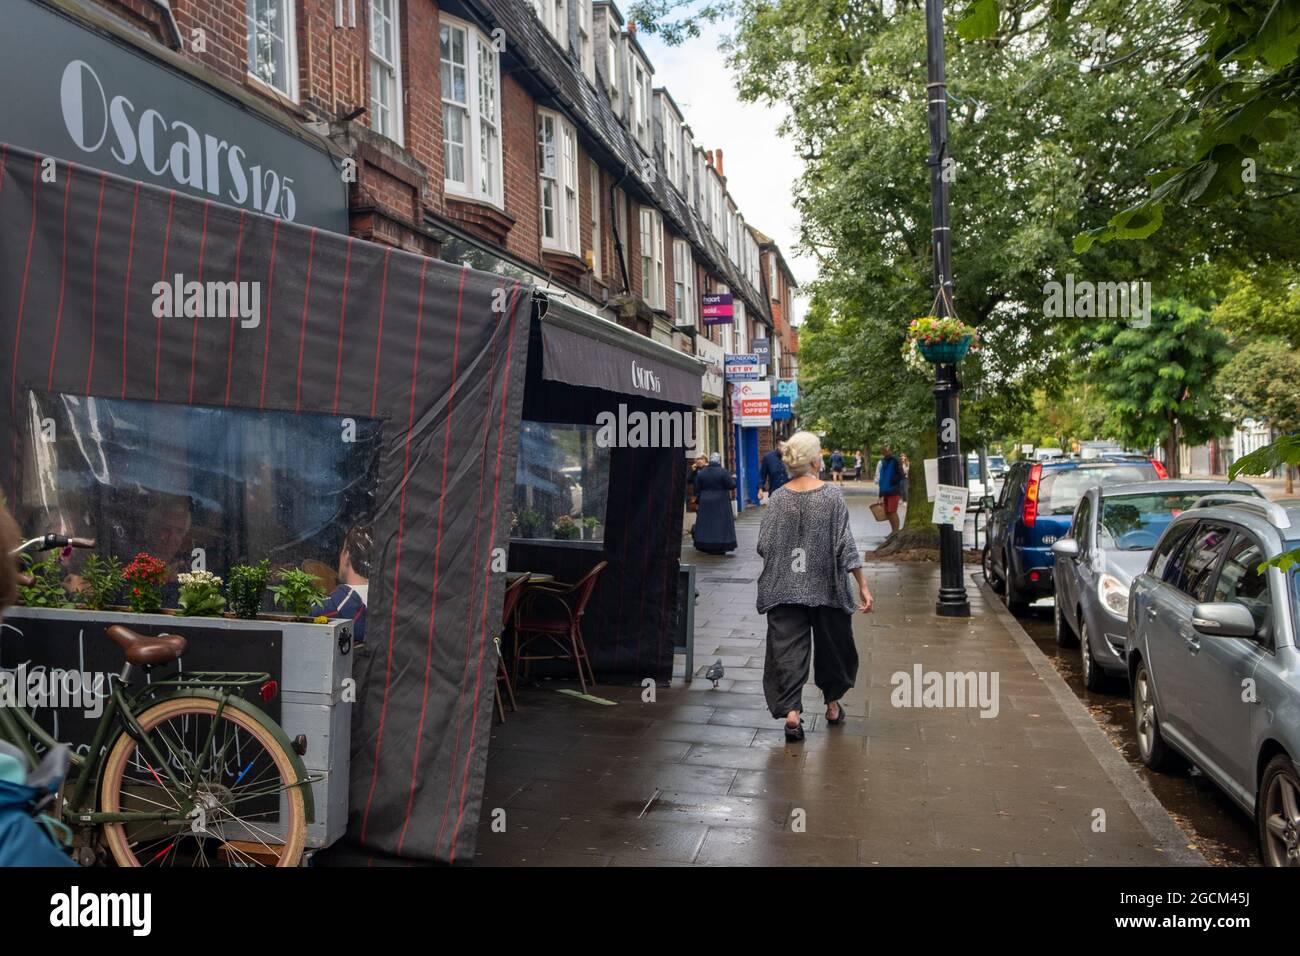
[[840, 719], [794, 734]]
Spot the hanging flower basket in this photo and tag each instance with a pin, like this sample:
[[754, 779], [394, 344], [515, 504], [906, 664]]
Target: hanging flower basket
[[942, 340]]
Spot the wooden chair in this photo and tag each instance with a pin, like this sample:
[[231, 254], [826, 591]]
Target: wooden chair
[[508, 604], [551, 614]]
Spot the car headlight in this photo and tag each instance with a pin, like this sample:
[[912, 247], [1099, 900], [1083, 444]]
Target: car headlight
[[1113, 594]]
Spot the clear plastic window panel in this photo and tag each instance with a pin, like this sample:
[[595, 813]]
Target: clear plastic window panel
[[561, 483]]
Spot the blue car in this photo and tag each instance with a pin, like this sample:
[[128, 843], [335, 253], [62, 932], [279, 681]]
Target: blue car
[[1034, 510]]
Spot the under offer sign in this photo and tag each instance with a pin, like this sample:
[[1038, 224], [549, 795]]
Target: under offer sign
[[751, 404], [715, 308]]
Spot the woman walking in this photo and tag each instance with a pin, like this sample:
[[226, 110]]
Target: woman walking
[[715, 523], [808, 555]]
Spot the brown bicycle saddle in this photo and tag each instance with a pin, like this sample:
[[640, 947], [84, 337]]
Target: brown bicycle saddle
[[145, 650]]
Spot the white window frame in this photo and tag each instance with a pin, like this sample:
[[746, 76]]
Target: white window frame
[[562, 176], [718, 210], [554, 15], [651, 248], [641, 109], [391, 67], [586, 39], [685, 303], [620, 218], [476, 165], [596, 243], [773, 292], [672, 145], [613, 44], [290, 41], [739, 328]]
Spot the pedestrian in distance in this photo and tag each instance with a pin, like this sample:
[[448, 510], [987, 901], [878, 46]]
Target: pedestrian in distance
[[715, 522], [902, 485], [810, 586], [890, 478], [857, 465], [772, 473], [837, 467]]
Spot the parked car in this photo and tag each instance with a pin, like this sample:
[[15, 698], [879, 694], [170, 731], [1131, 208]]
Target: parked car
[[1034, 509], [1089, 450], [1111, 537], [1046, 454], [978, 488], [1213, 660]]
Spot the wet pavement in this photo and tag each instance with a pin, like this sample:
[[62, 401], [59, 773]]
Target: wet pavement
[[1217, 826], [704, 776]]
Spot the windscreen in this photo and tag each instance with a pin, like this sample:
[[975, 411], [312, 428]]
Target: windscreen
[[1135, 522]]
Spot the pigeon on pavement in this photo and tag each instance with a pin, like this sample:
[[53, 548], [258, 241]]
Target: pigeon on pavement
[[715, 672]]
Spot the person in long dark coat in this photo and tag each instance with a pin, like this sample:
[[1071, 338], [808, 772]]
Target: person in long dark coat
[[715, 523]]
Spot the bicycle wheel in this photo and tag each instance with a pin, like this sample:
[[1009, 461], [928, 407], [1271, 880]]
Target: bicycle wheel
[[253, 813]]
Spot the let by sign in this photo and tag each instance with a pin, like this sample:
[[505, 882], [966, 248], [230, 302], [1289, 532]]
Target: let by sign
[[715, 308]]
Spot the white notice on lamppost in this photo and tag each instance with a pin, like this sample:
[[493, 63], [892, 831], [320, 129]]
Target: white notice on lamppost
[[950, 505]]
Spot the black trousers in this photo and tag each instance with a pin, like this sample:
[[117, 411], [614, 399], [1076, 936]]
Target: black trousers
[[796, 631]]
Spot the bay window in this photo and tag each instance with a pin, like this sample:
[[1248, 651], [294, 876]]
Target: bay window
[[685, 303], [652, 257], [557, 162], [272, 45], [385, 70], [471, 112]]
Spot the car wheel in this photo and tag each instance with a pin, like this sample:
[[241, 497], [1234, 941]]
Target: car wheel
[[1015, 601], [1277, 813], [1094, 678], [1153, 750], [1065, 636], [990, 573]]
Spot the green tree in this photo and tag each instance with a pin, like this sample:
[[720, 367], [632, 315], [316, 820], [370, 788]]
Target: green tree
[[1260, 383], [1159, 381], [1261, 302]]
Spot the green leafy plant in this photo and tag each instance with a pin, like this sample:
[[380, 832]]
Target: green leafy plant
[[565, 528], [298, 591], [201, 594], [103, 581], [144, 577], [46, 589], [244, 587], [591, 523], [530, 523]]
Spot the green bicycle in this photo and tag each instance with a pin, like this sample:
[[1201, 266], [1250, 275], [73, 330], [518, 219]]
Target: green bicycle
[[183, 771]]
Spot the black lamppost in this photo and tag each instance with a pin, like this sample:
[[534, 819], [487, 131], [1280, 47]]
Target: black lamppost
[[952, 588]]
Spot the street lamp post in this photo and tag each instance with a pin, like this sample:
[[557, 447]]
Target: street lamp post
[[952, 588]]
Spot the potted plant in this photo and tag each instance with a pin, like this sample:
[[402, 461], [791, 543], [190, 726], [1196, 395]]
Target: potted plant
[[531, 523], [244, 587], [46, 589], [144, 577], [942, 340], [201, 594], [298, 592], [565, 528], [102, 579], [589, 526]]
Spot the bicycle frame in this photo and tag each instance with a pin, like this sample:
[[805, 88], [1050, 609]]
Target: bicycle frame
[[19, 728]]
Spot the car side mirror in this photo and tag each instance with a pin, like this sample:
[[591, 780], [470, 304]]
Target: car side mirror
[[1066, 548], [1224, 619]]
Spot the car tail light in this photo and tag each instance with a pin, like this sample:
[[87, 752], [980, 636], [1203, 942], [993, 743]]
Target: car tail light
[[1033, 575], [1031, 496], [1161, 471]]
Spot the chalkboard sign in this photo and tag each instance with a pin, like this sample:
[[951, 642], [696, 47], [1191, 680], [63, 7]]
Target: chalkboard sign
[[35, 649]]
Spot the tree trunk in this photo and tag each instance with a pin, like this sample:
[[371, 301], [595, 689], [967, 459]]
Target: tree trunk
[[917, 530], [1290, 480], [1172, 458]]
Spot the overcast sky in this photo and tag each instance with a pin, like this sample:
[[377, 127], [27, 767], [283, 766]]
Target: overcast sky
[[760, 166]]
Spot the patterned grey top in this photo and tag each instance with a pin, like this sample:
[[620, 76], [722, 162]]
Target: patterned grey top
[[807, 550]]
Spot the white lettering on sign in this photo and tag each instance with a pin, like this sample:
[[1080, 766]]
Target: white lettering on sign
[[644, 378], [172, 149]]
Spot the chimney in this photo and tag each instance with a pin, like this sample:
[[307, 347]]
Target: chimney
[[708, 158], [718, 154], [631, 27]]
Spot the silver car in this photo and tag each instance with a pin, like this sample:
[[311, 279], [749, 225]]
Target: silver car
[[1111, 536], [1214, 663]]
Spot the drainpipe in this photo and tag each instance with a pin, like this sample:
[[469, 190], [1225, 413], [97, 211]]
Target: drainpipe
[[618, 241]]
